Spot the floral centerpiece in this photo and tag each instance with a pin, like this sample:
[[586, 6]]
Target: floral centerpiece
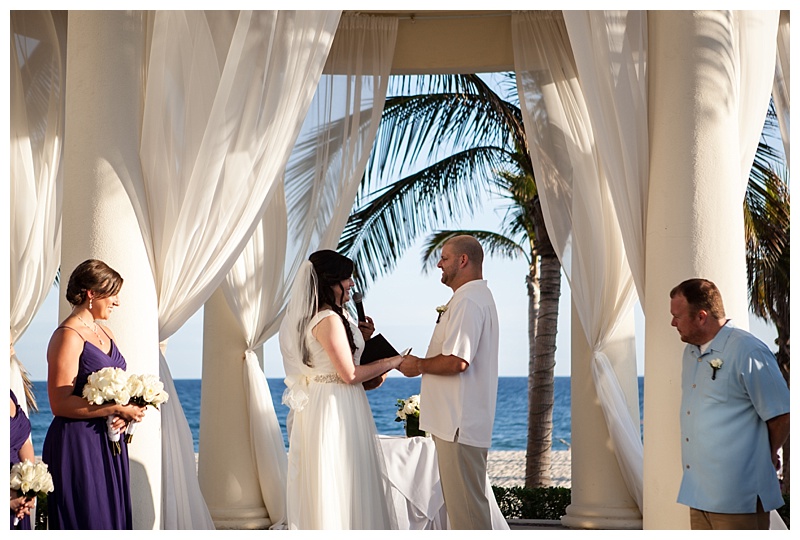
[[30, 480], [104, 386], [408, 413], [144, 390]]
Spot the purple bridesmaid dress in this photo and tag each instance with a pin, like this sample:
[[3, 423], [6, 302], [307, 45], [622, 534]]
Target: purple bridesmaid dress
[[20, 428], [91, 485]]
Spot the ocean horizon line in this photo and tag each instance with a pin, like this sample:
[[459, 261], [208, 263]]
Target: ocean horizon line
[[390, 376]]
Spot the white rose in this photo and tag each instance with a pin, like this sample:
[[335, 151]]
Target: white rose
[[401, 414], [160, 398], [135, 386]]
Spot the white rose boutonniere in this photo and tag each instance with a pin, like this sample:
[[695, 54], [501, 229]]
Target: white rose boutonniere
[[715, 364], [440, 310]]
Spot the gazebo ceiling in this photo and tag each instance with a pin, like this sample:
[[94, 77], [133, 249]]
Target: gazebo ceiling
[[451, 41]]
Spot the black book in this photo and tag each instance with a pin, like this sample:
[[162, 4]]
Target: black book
[[377, 348]]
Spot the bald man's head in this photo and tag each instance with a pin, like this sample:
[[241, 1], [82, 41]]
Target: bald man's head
[[465, 244]]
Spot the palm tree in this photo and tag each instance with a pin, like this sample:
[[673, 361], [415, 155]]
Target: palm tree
[[767, 235], [485, 150]]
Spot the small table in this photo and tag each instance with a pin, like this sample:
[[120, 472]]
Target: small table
[[413, 472]]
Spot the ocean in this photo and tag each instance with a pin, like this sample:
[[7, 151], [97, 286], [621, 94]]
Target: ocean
[[510, 424]]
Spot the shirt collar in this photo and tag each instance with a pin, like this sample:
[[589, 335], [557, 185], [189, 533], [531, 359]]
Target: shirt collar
[[471, 285], [718, 343]]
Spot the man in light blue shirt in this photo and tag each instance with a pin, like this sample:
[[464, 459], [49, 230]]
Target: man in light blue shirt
[[734, 415]]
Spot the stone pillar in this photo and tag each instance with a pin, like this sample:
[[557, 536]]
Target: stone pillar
[[694, 220], [600, 498], [105, 55], [226, 469]]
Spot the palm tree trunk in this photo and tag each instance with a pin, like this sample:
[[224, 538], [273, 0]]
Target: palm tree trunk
[[540, 412], [532, 463]]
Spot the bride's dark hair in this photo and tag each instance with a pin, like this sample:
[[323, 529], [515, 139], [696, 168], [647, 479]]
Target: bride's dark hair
[[332, 268]]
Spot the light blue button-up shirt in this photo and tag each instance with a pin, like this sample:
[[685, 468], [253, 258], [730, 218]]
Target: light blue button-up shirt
[[726, 458]]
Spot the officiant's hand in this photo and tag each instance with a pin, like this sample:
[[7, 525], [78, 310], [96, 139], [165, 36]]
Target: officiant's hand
[[409, 366], [367, 328], [375, 382]]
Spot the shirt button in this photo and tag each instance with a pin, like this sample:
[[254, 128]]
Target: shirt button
[[688, 467], [688, 412], [694, 386], [687, 439]]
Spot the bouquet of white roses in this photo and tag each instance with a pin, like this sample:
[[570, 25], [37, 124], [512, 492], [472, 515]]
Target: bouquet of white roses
[[104, 386], [144, 390], [30, 480]]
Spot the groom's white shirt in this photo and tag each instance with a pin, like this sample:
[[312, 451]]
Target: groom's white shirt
[[461, 407]]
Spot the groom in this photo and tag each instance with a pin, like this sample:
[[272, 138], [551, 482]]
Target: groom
[[459, 384]]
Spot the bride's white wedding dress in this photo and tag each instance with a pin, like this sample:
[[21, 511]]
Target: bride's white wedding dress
[[335, 478]]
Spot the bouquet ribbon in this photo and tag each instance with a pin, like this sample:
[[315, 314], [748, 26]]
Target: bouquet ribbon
[[296, 394]]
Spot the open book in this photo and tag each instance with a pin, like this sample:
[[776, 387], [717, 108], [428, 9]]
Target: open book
[[376, 348]]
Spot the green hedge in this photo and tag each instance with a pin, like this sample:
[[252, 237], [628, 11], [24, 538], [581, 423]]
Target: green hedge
[[532, 503], [552, 502]]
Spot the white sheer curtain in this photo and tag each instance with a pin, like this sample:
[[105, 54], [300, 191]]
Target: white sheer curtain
[[578, 207], [754, 37], [780, 88], [225, 96], [38, 41], [610, 50], [322, 177]]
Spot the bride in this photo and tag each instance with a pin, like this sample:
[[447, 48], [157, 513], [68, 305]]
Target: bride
[[335, 478]]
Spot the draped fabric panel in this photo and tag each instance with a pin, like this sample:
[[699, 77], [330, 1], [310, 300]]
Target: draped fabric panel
[[754, 38], [225, 96], [38, 79], [578, 207], [780, 87], [321, 182], [610, 50]]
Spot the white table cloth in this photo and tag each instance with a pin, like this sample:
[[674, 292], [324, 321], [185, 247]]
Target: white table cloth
[[413, 472]]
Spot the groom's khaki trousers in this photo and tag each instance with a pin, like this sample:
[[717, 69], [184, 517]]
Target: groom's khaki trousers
[[462, 469]]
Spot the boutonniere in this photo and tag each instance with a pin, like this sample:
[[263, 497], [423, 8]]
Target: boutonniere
[[715, 364], [440, 310]]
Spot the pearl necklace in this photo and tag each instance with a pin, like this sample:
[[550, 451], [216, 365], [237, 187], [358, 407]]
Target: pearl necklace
[[92, 329]]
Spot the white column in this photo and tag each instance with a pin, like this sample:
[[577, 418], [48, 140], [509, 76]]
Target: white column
[[105, 55], [226, 468], [600, 498], [694, 220]]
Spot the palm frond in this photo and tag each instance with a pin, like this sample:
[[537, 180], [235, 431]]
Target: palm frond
[[380, 230], [494, 245], [447, 110], [767, 234]]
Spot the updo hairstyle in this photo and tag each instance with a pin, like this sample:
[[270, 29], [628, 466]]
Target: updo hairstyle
[[92, 275]]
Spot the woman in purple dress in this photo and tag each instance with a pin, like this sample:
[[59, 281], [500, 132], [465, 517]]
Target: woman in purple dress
[[21, 449], [90, 480]]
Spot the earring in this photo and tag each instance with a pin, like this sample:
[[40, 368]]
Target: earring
[[90, 303]]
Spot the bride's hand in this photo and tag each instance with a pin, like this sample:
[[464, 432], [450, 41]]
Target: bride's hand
[[395, 361]]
